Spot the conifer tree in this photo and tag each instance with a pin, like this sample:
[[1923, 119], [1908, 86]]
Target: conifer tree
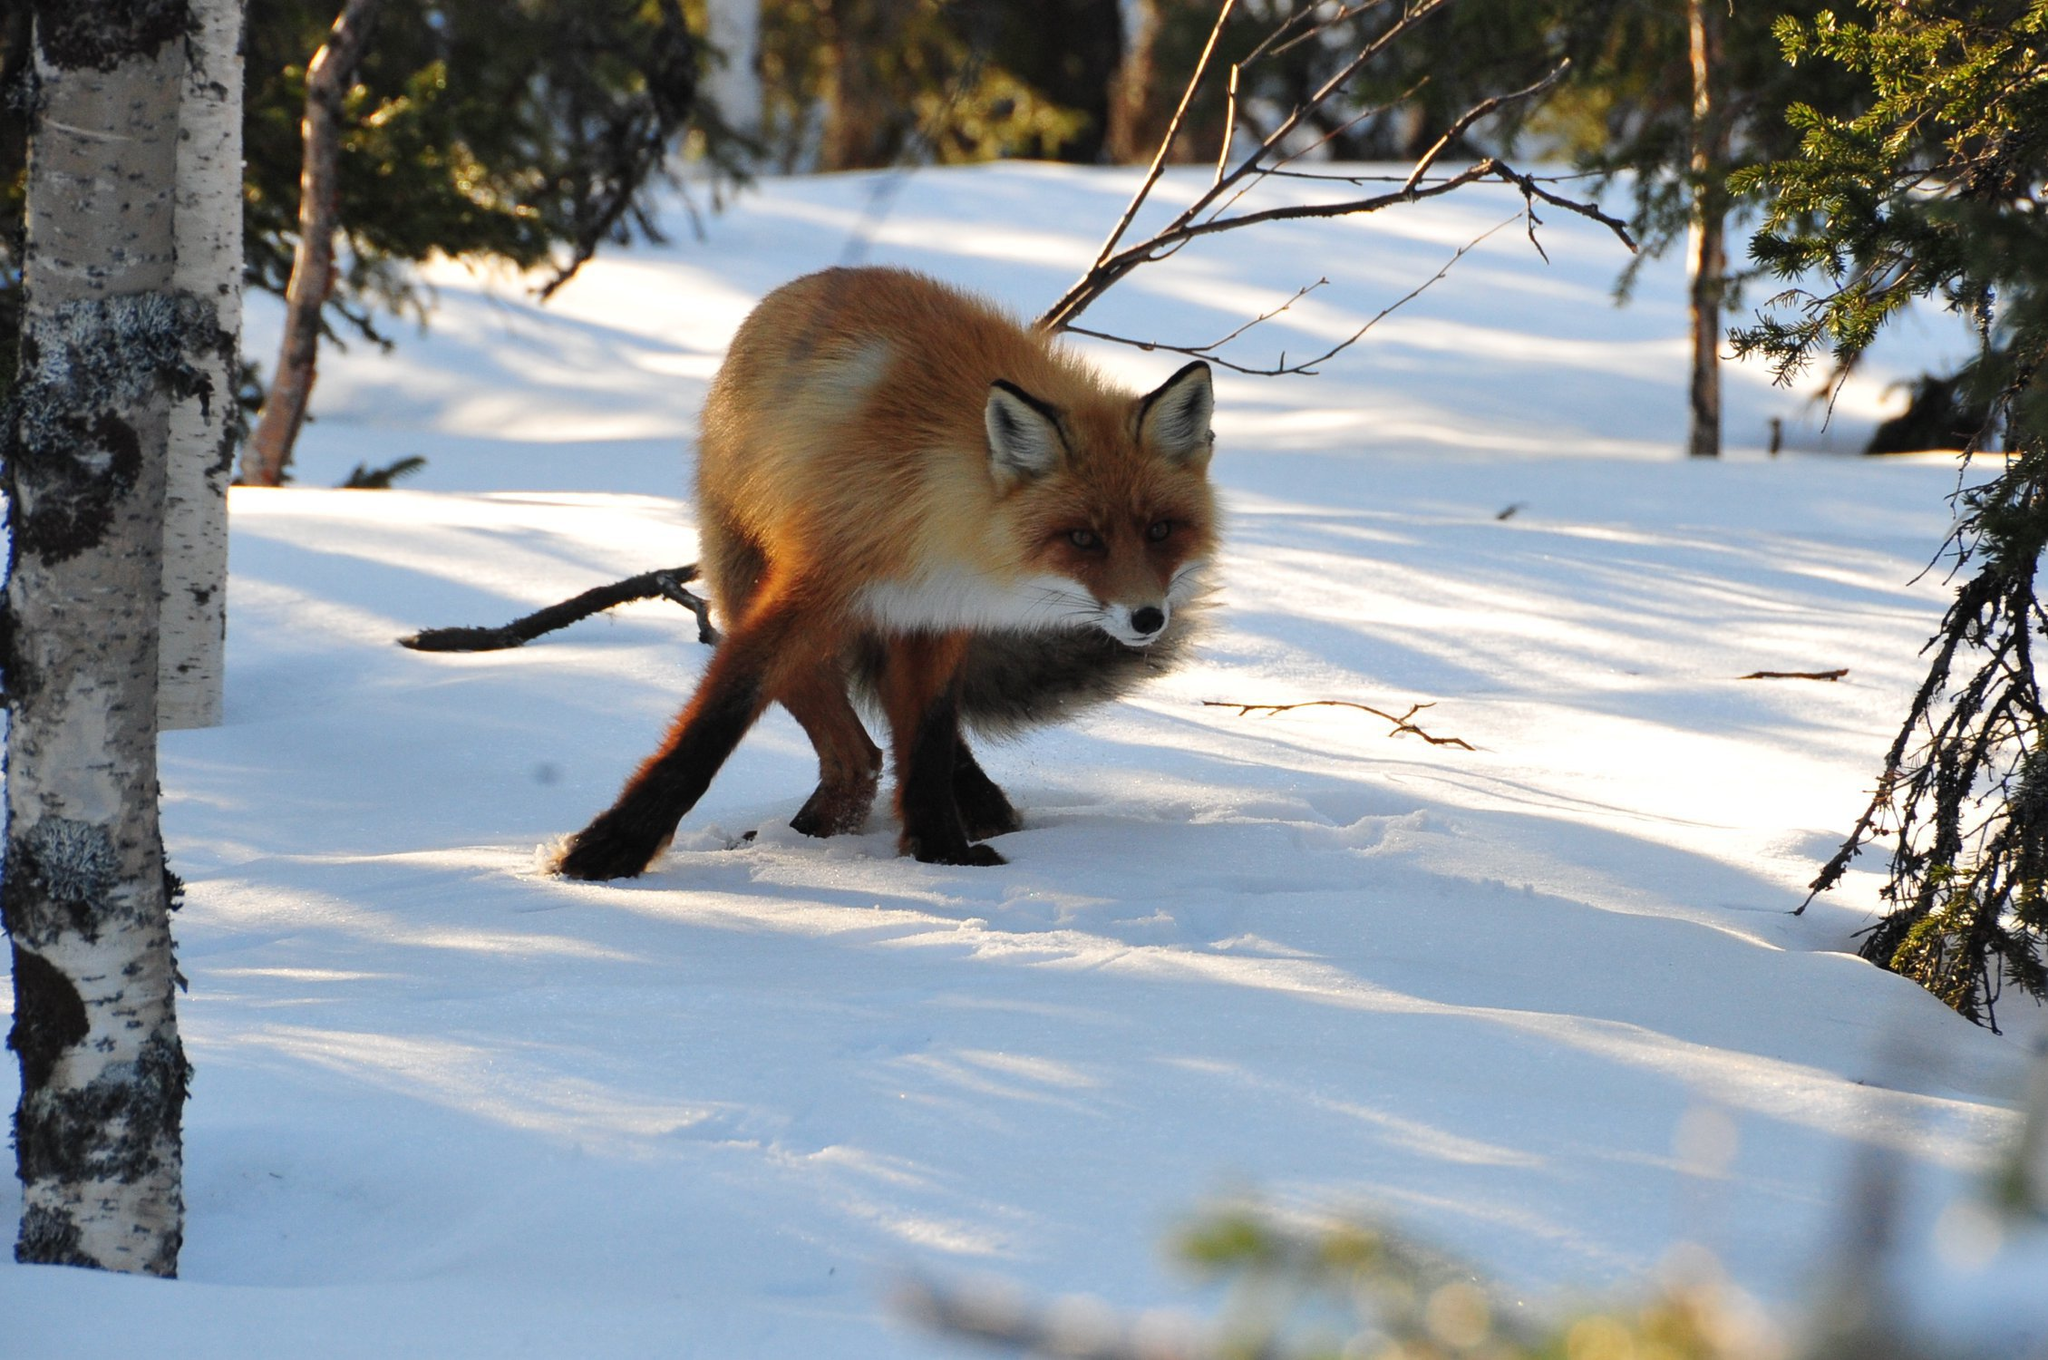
[[1935, 191]]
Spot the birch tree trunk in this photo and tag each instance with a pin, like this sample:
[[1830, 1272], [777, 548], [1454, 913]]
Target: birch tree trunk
[[202, 452], [1706, 252], [85, 896], [328, 78]]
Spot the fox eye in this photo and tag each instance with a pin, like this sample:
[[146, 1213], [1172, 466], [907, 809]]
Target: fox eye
[[1085, 539], [1158, 530]]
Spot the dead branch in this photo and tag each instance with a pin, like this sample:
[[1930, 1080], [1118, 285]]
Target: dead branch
[[1402, 724], [1166, 142], [668, 584], [1306, 367], [1211, 211], [1795, 675], [1465, 120]]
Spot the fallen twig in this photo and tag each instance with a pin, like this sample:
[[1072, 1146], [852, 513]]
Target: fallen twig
[[1795, 675], [1401, 724], [666, 583]]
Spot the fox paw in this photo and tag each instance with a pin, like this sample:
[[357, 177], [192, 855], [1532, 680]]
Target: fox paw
[[601, 852], [962, 853], [835, 811]]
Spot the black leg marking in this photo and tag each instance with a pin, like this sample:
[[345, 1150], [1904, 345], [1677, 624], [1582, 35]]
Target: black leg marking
[[624, 839], [984, 810], [932, 829]]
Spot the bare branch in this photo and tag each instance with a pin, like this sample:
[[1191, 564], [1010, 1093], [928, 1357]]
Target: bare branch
[[1402, 724], [1166, 142], [1111, 265], [667, 584], [1532, 187], [1305, 367], [1473, 115], [1229, 124]]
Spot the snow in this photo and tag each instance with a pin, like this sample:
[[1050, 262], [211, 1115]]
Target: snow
[[1543, 1002]]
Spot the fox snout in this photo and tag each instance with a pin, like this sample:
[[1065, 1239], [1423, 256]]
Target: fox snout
[[1136, 627]]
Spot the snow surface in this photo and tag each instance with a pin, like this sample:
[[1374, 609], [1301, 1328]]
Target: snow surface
[[1543, 1002]]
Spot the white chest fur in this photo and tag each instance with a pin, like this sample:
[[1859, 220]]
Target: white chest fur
[[970, 600]]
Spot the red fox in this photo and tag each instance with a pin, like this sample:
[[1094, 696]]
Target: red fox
[[904, 494]]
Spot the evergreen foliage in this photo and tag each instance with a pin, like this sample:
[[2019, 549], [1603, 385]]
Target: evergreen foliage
[[528, 132], [1935, 191], [853, 84]]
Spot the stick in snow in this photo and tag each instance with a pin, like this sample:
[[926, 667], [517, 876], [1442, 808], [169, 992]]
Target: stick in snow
[[1795, 675], [1401, 724], [668, 584]]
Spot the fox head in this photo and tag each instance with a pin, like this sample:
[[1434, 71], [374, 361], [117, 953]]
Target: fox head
[[1109, 499]]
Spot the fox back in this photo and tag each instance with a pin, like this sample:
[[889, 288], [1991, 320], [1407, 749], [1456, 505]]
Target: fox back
[[952, 469]]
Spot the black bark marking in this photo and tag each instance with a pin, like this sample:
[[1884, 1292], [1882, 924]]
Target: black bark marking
[[99, 37], [49, 1237], [49, 1017], [113, 1128]]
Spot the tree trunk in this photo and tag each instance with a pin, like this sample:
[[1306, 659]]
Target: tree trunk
[[866, 123], [1138, 112], [85, 896], [732, 81], [328, 78], [202, 450], [1706, 255]]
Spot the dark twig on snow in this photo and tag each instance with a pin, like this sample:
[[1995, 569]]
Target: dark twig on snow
[[1402, 724], [667, 583], [1795, 675]]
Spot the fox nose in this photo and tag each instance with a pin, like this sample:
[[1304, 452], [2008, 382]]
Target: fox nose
[[1148, 620]]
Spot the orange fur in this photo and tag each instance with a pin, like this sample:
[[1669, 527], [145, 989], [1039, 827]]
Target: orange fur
[[888, 463]]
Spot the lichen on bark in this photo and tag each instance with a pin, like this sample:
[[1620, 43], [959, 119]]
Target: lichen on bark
[[71, 456], [99, 37], [72, 865], [113, 1128]]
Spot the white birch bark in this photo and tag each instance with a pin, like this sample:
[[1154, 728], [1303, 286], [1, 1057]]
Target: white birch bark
[[733, 29], [209, 242], [85, 893]]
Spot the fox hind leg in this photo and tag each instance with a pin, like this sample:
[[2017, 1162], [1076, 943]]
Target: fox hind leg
[[849, 764]]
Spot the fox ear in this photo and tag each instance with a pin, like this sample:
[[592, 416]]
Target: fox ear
[[1023, 434], [1175, 419]]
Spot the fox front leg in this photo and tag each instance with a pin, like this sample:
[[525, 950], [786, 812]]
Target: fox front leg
[[624, 839], [922, 700]]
